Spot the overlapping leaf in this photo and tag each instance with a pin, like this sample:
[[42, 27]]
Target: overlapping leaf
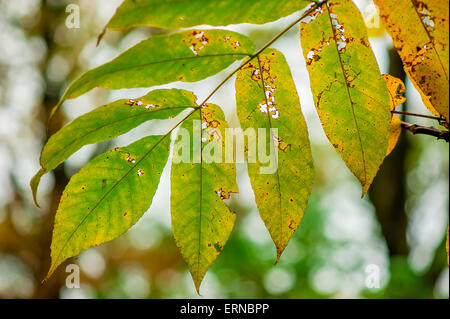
[[396, 130], [108, 122], [396, 89], [350, 95], [201, 180], [187, 56], [267, 99], [107, 197], [419, 30], [174, 14]]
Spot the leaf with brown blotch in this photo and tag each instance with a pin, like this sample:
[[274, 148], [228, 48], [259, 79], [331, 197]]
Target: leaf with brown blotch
[[419, 30], [349, 92], [266, 98], [396, 89]]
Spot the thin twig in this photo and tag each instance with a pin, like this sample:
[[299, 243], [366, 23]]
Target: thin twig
[[427, 130], [418, 115]]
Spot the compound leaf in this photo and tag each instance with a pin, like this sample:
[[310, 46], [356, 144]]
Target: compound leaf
[[107, 197], [267, 99], [108, 122], [419, 30], [201, 181], [350, 95]]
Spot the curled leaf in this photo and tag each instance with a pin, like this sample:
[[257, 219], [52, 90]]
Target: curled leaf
[[396, 89]]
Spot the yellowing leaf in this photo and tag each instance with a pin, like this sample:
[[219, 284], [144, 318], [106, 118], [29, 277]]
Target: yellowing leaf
[[267, 99], [396, 130], [107, 197], [175, 14], [396, 89], [419, 30], [349, 92], [201, 181]]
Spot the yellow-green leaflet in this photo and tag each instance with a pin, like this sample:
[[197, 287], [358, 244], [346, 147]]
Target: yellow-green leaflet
[[107, 122], [186, 56], [267, 99], [175, 14], [201, 222], [349, 92], [107, 197]]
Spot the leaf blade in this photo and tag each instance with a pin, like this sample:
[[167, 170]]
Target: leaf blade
[[186, 56], [107, 197], [420, 34], [201, 222], [343, 71], [182, 14], [271, 102]]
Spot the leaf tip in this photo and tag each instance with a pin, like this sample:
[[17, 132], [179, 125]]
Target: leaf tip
[[197, 283], [34, 184], [279, 252], [53, 111], [365, 190], [100, 36], [50, 272]]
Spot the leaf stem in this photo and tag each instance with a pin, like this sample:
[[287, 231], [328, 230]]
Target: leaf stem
[[427, 130], [418, 115]]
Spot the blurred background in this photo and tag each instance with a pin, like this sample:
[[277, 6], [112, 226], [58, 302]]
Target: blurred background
[[396, 231]]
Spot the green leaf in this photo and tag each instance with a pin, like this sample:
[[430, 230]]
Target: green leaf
[[174, 14], [350, 94], [201, 222], [267, 98], [107, 197], [187, 56], [108, 122]]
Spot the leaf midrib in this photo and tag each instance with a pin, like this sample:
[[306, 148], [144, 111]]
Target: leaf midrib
[[348, 93], [276, 160]]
